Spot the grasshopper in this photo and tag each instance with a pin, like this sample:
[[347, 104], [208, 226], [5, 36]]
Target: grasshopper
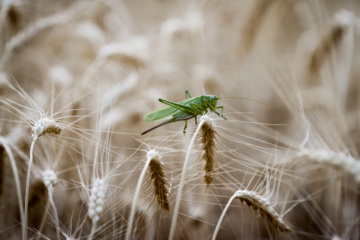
[[191, 107]]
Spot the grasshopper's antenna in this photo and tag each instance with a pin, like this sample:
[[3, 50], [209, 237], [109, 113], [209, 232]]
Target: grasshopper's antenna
[[267, 104]]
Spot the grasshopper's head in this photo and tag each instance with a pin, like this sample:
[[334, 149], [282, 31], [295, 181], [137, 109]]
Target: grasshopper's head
[[213, 100]]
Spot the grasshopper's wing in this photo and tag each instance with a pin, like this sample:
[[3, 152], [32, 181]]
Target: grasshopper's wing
[[160, 114], [173, 109], [184, 106]]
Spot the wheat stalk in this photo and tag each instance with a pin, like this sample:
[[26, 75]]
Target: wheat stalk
[[182, 180], [42, 126], [2, 169], [4, 143]]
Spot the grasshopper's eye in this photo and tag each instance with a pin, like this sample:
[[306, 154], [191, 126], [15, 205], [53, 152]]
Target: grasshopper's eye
[[213, 98]]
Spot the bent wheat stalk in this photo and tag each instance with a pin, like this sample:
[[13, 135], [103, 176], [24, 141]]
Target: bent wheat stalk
[[257, 202], [152, 154], [183, 175]]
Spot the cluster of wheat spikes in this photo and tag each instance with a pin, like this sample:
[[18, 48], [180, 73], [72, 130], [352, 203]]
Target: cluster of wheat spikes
[[77, 78]]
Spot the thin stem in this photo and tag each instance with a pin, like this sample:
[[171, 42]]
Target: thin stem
[[50, 192], [93, 230], [137, 191], [223, 215], [183, 175], [17, 181], [28, 187], [43, 220]]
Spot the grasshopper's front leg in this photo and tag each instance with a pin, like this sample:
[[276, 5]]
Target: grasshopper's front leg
[[214, 109], [222, 112]]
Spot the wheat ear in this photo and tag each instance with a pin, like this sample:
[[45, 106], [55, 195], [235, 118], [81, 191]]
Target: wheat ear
[[343, 20], [158, 177], [182, 180], [96, 204], [257, 202], [151, 155], [34, 30], [338, 160], [46, 126], [254, 22], [207, 140]]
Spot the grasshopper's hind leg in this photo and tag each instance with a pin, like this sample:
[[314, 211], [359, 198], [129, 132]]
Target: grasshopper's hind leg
[[185, 127]]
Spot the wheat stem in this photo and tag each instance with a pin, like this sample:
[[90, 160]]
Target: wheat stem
[[183, 175], [17, 181], [57, 225], [93, 230], [27, 187], [223, 215], [49, 179], [150, 155]]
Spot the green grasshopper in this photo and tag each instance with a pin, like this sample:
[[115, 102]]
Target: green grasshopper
[[191, 107]]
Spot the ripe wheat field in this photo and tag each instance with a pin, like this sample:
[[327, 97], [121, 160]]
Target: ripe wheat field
[[78, 77]]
